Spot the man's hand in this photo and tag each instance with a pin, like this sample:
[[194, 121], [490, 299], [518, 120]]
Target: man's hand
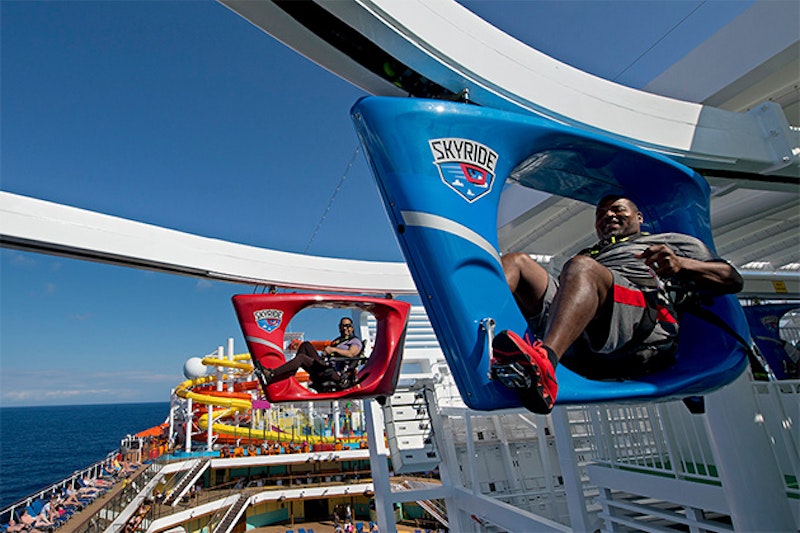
[[662, 259], [294, 344], [713, 277]]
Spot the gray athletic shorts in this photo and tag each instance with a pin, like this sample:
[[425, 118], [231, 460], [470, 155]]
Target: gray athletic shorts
[[603, 350]]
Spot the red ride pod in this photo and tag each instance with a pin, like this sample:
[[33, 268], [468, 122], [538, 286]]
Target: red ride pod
[[264, 318]]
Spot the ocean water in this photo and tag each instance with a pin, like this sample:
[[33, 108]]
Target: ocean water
[[42, 445]]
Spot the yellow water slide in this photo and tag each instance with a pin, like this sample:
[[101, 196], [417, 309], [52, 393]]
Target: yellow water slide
[[233, 404]]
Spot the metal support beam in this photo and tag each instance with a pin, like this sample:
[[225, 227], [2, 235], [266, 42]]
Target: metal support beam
[[379, 465], [744, 460], [576, 501]]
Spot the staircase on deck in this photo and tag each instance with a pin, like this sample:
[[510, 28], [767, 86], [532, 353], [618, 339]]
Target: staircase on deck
[[187, 481]]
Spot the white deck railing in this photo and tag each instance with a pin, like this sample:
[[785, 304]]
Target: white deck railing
[[667, 442], [779, 404], [665, 439]]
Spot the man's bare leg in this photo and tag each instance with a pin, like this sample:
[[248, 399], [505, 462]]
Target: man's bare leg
[[528, 365], [527, 280], [584, 285]]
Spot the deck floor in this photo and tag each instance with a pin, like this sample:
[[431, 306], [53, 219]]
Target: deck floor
[[320, 527]]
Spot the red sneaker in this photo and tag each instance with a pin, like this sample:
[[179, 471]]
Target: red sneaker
[[528, 368]]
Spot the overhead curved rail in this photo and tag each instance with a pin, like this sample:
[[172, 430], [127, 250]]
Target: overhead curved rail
[[45, 227], [446, 48]]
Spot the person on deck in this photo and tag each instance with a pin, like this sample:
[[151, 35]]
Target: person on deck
[[26, 523], [71, 498], [16, 527], [346, 344], [611, 312], [42, 520]]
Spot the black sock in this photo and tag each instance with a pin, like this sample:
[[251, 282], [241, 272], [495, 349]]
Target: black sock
[[551, 355]]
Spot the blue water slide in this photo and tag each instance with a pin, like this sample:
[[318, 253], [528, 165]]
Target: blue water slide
[[441, 167]]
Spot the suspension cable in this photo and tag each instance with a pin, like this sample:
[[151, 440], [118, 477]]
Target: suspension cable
[[673, 28], [332, 198]]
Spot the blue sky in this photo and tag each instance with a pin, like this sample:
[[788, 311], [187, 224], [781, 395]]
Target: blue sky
[[182, 114]]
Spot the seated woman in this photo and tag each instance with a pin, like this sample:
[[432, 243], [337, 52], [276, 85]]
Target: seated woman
[[71, 499], [50, 509], [42, 520], [93, 486], [346, 344]]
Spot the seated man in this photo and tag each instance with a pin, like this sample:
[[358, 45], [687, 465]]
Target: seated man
[[15, 527], [611, 311], [26, 523], [319, 370]]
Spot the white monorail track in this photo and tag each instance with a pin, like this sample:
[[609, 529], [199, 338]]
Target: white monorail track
[[446, 44], [38, 226]]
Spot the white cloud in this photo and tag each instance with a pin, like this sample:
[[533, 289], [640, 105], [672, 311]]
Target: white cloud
[[203, 284], [135, 376], [22, 260], [53, 386]]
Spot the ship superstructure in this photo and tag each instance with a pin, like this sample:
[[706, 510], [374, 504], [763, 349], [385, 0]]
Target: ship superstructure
[[425, 458]]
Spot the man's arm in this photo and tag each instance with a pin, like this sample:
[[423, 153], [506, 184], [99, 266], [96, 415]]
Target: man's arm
[[353, 350], [713, 276]]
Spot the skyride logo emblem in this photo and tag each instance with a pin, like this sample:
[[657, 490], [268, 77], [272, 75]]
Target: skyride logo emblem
[[268, 319], [466, 166]]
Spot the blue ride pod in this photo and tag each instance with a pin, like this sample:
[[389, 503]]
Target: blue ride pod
[[441, 166]]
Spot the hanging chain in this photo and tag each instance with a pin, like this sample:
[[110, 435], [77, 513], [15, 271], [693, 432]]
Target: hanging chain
[[330, 202]]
